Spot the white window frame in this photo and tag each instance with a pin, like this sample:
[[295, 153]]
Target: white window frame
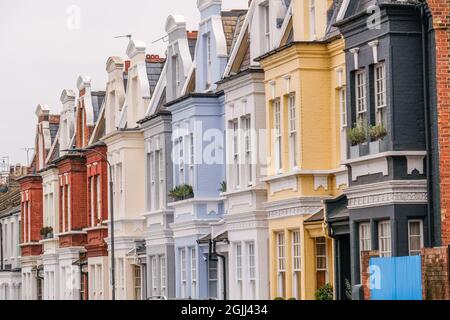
[[281, 252], [318, 256], [410, 250], [343, 106], [278, 136], [380, 92], [239, 264], [293, 137], [191, 158], [296, 251], [194, 272], [137, 281], [247, 121], [365, 237], [99, 199], [181, 175], [361, 96], [237, 171], [163, 278], [251, 261], [387, 238], [183, 272]]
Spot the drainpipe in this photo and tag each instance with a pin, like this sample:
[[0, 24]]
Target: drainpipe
[[427, 120]]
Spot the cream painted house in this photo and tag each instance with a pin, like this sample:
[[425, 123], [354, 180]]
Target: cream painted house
[[126, 153]]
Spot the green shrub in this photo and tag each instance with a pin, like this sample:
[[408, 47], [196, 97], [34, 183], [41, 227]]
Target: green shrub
[[223, 187], [182, 192], [348, 290], [279, 299], [378, 132], [357, 135], [46, 231], [325, 293]]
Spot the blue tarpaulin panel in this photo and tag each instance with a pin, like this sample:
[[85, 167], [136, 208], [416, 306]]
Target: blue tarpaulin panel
[[397, 278]]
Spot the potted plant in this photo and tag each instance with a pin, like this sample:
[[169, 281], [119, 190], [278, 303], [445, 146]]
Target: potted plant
[[357, 135], [377, 134], [325, 293], [223, 187], [46, 233], [182, 192]]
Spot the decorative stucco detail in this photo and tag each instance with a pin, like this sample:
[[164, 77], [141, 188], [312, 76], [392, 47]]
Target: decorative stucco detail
[[387, 193], [284, 184]]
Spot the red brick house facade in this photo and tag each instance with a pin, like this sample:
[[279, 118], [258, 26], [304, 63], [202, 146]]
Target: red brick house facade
[[31, 215], [97, 201], [72, 215]]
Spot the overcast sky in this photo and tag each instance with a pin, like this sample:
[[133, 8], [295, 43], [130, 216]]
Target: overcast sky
[[43, 50]]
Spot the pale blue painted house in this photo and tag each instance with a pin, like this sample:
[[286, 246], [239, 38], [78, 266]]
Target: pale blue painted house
[[199, 154]]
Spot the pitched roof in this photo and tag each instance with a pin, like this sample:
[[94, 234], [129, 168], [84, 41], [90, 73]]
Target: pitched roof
[[10, 199], [319, 216]]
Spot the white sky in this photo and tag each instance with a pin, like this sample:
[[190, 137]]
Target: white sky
[[40, 56]]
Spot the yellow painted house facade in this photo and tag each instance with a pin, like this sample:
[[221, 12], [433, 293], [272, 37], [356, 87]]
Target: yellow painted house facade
[[305, 96]]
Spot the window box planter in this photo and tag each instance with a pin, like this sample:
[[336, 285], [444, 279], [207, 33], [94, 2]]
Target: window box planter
[[364, 149], [374, 147], [360, 150], [354, 152]]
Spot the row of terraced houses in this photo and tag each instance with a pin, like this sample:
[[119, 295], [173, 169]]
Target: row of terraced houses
[[267, 155]]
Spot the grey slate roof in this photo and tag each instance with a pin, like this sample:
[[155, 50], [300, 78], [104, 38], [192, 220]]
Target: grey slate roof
[[154, 70], [97, 100], [54, 127]]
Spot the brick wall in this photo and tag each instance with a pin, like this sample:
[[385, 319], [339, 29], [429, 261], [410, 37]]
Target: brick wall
[[435, 274], [32, 198], [440, 10], [365, 260]]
